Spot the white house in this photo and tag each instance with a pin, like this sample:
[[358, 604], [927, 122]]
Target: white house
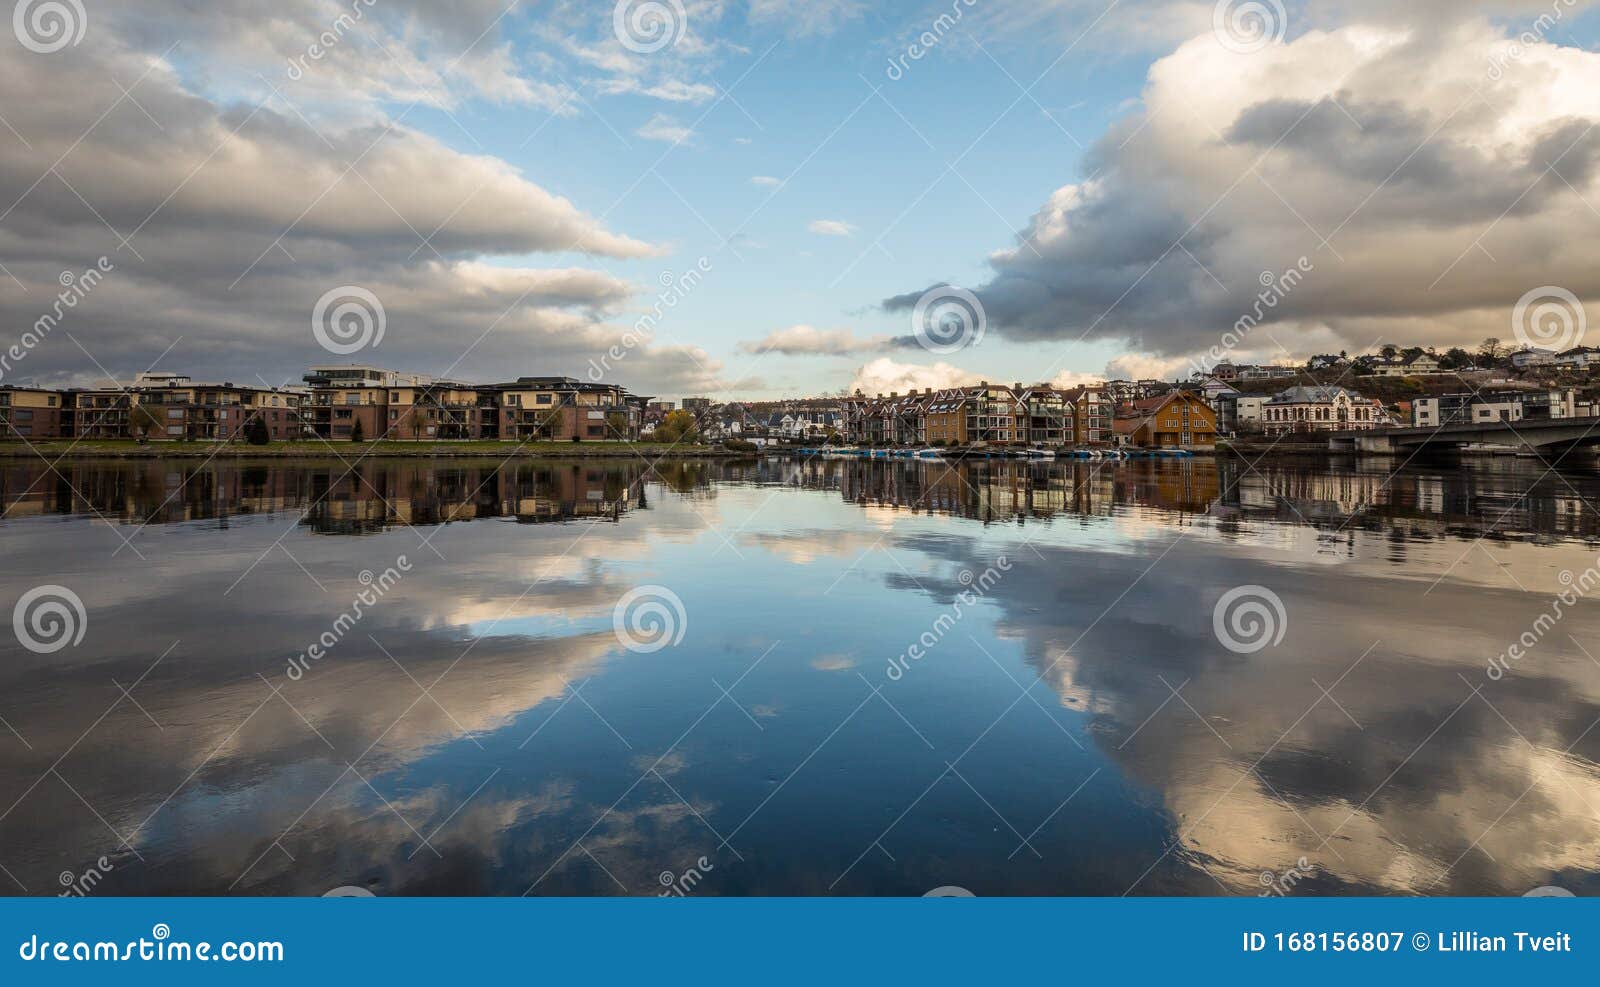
[[1532, 357], [1579, 357], [1321, 409]]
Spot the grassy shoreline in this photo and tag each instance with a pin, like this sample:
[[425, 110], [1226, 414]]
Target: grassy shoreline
[[129, 449]]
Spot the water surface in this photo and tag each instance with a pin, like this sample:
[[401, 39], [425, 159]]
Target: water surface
[[1073, 721]]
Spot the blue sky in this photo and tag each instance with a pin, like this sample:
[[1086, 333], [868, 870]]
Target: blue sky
[[850, 143]]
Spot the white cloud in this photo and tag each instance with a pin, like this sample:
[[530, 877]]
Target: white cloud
[[662, 127], [1395, 136], [766, 180], [800, 18], [830, 227], [669, 90], [885, 376], [804, 340], [1142, 366]]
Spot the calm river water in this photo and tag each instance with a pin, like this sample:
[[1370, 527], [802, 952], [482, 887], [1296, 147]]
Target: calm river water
[[794, 678]]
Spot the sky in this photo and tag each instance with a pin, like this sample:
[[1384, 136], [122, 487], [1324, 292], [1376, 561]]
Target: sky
[[756, 199]]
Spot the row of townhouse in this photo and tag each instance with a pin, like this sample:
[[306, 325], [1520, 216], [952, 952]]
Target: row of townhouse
[[982, 414], [336, 403], [763, 427]]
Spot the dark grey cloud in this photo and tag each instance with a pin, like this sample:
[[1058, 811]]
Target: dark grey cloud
[[225, 222], [1429, 177]]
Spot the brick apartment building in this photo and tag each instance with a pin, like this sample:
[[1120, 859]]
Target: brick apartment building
[[30, 413]]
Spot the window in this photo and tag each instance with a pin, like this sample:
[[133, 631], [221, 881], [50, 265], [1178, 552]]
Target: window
[[543, 398], [174, 413], [394, 397], [24, 416], [51, 400], [174, 429], [352, 397]]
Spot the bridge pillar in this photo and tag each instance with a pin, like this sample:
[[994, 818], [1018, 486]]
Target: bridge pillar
[[1377, 443]]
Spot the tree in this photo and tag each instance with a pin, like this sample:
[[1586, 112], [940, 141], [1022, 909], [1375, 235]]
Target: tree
[[358, 433], [1491, 351], [256, 431], [679, 426], [617, 422], [147, 420], [1455, 358], [1389, 351]]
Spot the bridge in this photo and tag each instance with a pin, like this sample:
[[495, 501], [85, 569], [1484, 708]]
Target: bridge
[[1553, 436]]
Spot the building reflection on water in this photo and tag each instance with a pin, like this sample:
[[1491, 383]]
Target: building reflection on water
[[1495, 499], [335, 499], [1370, 742]]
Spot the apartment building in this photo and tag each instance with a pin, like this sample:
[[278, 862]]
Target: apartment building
[[96, 412], [559, 409], [1239, 412], [1093, 416], [30, 413], [996, 415], [170, 406], [1490, 405], [444, 410], [1051, 417], [344, 396]]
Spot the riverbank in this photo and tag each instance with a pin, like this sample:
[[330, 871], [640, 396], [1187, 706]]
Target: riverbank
[[349, 451], [1254, 448]]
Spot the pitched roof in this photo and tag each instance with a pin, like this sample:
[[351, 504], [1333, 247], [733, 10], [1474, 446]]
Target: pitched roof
[[1313, 394]]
